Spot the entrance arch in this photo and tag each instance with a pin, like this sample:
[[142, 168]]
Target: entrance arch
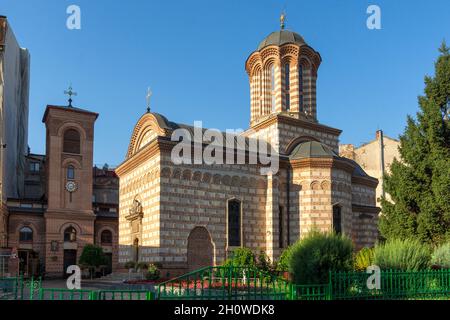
[[200, 249]]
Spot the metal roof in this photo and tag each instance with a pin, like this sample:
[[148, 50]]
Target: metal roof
[[312, 149], [281, 37]]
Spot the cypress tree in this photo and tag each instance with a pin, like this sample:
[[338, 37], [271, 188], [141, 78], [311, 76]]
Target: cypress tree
[[419, 184]]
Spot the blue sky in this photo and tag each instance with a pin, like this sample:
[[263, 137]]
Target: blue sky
[[192, 54]]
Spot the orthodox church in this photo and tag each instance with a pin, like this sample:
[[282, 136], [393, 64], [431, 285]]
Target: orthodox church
[[185, 216]]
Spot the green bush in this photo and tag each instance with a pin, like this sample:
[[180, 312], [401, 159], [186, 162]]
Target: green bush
[[283, 261], [263, 263], [441, 256], [363, 259], [141, 265], [153, 272], [129, 264], [318, 253], [406, 255], [241, 257]]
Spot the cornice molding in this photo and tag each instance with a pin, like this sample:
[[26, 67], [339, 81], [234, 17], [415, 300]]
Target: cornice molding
[[282, 119]]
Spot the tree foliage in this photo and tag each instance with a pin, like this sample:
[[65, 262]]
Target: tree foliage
[[419, 184], [92, 256]]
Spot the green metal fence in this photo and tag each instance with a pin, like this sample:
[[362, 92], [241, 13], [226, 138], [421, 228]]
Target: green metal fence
[[18, 288], [125, 295], [237, 283], [426, 284], [10, 288], [311, 292], [66, 294], [79, 294], [229, 283]]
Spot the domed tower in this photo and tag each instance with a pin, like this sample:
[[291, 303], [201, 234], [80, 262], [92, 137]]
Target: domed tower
[[283, 74]]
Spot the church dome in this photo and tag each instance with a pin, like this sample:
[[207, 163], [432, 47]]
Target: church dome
[[312, 149], [278, 38]]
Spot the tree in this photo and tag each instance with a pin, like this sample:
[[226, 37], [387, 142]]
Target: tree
[[92, 257], [419, 184]]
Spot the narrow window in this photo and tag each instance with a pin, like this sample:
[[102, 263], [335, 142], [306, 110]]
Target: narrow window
[[234, 223], [287, 85], [300, 87], [337, 219], [34, 166], [70, 172], [71, 141], [25, 234], [272, 86]]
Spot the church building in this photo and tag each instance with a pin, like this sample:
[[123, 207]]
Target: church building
[[186, 216], [67, 202]]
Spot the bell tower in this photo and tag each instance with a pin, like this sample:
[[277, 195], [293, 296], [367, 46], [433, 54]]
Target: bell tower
[[69, 157], [69, 218], [283, 74]]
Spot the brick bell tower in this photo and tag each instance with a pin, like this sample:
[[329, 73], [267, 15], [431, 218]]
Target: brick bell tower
[[69, 218]]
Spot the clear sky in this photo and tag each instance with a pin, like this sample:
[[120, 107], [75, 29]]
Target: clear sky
[[192, 54]]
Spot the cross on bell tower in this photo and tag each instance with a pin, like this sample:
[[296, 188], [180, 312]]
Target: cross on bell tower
[[70, 93]]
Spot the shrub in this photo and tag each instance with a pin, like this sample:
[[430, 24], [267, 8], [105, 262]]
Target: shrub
[[141, 265], [363, 259], [283, 261], [441, 256], [263, 262], [318, 253], [241, 257], [129, 264], [153, 272], [406, 255]]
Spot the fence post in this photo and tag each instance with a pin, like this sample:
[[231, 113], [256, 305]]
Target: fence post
[[21, 287], [32, 288], [93, 295], [150, 296], [330, 286], [293, 291]]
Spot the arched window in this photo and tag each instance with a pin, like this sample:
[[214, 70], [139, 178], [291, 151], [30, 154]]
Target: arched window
[[337, 219], [106, 237], [25, 234], [300, 87], [70, 234], [234, 223], [272, 87], [70, 172], [287, 86], [71, 141]]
